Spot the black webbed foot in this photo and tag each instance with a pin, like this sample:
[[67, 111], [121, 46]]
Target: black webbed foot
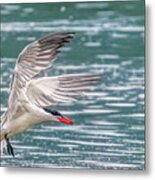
[[9, 146]]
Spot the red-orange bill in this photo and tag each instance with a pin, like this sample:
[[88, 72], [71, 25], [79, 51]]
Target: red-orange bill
[[65, 120]]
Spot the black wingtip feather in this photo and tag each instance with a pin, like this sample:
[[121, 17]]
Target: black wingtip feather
[[57, 37]]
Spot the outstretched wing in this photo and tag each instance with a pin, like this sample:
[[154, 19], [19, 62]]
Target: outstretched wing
[[36, 57], [47, 91]]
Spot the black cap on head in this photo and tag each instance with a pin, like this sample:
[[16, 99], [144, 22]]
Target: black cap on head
[[53, 112]]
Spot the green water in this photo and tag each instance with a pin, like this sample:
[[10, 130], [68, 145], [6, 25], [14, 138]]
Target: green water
[[109, 122]]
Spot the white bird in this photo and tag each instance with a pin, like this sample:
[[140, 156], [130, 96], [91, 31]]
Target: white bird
[[31, 95]]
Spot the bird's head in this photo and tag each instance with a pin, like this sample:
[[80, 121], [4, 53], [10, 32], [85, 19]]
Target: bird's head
[[60, 118]]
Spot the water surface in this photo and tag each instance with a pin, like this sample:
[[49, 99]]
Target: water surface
[[109, 122]]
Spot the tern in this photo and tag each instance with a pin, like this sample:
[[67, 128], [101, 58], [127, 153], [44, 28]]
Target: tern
[[32, 96]]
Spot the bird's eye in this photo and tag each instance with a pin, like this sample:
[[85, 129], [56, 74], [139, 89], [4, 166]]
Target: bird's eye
[[56, 113]]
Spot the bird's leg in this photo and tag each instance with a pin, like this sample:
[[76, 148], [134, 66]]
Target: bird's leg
[[9, 146]]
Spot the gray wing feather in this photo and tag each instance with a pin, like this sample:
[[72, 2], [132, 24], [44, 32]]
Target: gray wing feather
[[36, 57], [48, 91], [39, 55]]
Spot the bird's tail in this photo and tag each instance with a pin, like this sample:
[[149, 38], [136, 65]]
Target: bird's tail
[[3, 149], [3, 144]]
